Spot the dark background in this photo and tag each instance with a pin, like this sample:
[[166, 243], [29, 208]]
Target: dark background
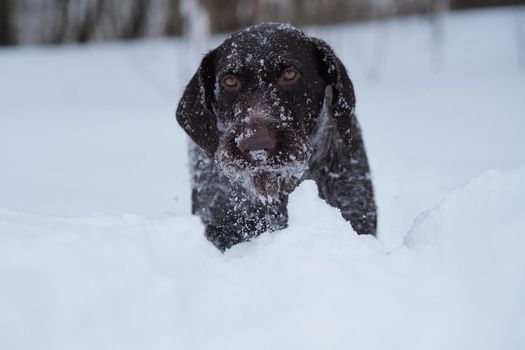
[[24, 22]]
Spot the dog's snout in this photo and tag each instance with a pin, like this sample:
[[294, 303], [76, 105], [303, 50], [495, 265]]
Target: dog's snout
[[261, 139], [258, 144]]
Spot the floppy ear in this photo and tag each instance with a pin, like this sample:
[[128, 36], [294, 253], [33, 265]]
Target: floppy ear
[[195, 111], [343, 98]]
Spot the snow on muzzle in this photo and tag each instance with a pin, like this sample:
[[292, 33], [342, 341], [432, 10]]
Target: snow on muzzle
[[263, 155]]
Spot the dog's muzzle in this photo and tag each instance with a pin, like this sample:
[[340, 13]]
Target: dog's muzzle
[[257, 143], [264, 157]]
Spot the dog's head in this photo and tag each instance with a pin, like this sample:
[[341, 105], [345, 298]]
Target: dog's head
[[254, 104]]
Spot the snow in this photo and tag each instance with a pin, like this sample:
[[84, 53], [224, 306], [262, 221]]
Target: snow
[[130, 282], [259, 154], [87, 136]]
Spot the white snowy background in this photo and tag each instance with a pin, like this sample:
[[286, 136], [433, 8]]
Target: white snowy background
[[98, 249]]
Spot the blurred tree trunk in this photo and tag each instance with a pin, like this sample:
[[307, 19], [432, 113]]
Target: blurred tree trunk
[[89, 19], [137, 21], [465, 4], [174, 22], [5, 26], [61, 24]]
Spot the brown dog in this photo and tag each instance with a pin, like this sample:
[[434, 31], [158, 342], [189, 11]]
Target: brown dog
[[267, 109]]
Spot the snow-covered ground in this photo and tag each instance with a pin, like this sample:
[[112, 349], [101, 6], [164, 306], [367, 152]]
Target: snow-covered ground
[[98, 250]]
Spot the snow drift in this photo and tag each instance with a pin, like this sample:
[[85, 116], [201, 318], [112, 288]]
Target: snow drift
[[111, 282]]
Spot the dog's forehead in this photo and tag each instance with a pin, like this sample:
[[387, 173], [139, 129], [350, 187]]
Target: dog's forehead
[[261, 45]]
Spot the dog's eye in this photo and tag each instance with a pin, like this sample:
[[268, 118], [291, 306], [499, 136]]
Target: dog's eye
[[231, 83], [289, 76]]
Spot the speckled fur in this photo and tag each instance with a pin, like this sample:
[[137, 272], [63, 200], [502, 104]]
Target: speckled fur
[[318, 135]]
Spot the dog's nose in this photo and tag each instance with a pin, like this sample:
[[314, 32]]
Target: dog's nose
[[262, 139]]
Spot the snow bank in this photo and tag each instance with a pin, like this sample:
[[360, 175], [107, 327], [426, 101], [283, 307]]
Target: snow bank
[[471, 252], [110, 282]]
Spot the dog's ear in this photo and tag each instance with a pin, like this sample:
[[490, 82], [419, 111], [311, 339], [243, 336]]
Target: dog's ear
[[195, 111], [343, 97]]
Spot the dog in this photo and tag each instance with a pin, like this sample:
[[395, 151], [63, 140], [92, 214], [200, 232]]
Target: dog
[[267, 109]]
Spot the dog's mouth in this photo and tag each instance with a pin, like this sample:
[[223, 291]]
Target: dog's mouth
[[265, 168]]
